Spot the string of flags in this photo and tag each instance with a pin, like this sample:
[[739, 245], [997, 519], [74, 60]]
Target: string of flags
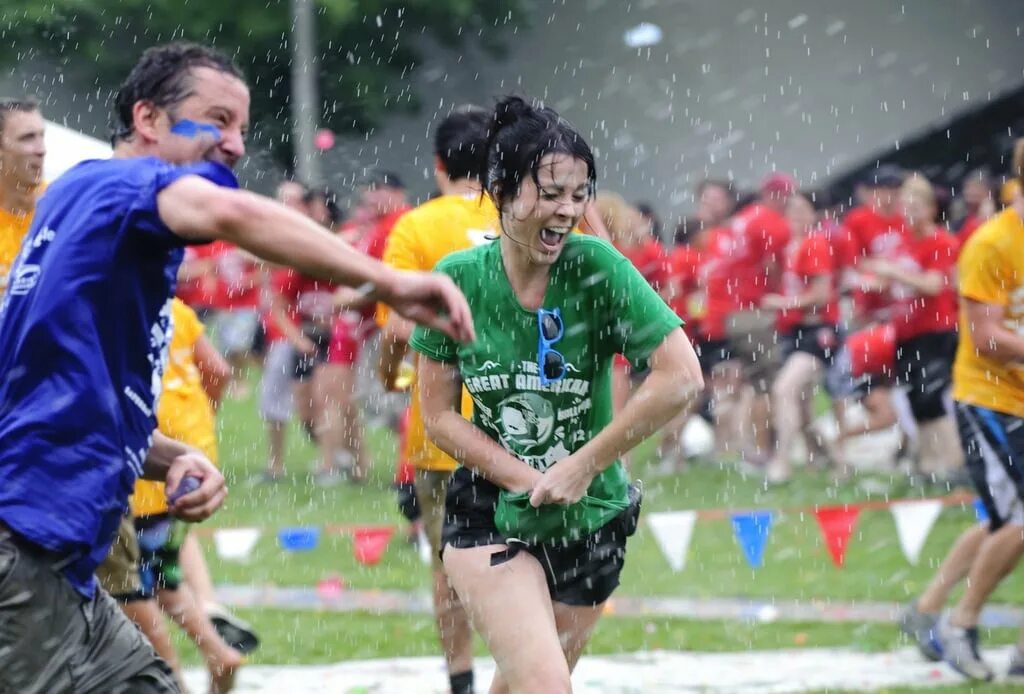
[[913, 518], [672, 530]]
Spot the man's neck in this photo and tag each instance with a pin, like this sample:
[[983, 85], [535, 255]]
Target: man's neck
[[465, 187], [16, 198]]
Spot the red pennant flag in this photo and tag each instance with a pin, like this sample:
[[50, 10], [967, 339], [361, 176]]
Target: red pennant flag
[[369, 543], [837, 523]]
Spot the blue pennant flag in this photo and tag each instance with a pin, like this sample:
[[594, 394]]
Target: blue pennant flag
[[751, 531], [980, 511]]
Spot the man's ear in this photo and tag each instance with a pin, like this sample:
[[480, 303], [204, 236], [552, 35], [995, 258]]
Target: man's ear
[[145, 120]]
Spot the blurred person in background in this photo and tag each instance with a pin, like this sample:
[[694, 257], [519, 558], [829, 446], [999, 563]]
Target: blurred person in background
[[276, 400], [650, 217], [921, 280], [975, 205], [749, 265], [22, 153], [807, 324]]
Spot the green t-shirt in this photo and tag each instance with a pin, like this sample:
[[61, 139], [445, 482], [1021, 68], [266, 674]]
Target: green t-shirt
[[607, 308]]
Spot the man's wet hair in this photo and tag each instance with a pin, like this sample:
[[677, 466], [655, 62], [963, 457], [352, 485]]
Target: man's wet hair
[[163, 77], [459, 141], [16, 104]]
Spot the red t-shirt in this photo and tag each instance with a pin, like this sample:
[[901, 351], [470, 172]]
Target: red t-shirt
[[684, 264], [971, 224], [806, 259], [915, 314], [306, 298], [373, 242], [200, 292], [651, 260], [872, 351], [744, 264], [874, 236], [713, 283], [239, 278]]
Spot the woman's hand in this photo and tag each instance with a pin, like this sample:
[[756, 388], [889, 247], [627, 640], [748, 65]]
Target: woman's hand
[[564, 483]]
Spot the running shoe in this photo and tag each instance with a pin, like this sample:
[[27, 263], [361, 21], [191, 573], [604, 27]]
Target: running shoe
[[1016, 669], [960, 650], [921, 628], [238, 633]]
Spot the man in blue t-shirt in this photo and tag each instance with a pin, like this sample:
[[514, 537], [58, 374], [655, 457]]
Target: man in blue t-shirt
[[84, 330]]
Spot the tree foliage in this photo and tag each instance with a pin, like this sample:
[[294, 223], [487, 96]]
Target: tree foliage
[[366, 48]]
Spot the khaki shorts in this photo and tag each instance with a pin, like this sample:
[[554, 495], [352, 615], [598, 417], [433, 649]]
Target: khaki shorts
[[431, 490], [755, 343], [119, 572]]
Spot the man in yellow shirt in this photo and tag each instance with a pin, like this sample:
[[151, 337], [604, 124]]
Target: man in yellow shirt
[[22, 151], [459, 218], [988, 387]]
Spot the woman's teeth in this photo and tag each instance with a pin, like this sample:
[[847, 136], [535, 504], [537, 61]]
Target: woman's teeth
[[552, 237]]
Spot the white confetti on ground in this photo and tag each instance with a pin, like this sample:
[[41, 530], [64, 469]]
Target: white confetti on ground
[[763, 672]]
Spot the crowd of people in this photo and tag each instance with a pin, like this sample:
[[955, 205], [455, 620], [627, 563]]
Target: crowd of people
[[535, 358]]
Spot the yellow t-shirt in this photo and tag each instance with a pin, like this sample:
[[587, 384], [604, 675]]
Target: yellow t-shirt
[[991, 271], [12, 231], [184, 412], [417, 242]]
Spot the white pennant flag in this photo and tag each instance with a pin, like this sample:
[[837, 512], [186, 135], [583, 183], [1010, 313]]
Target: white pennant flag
[[914, 520], [235, 543], [673, 531]]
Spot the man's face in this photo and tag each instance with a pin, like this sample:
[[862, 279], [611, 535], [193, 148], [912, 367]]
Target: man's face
[[208, 125], [292, 195], [22, 148]]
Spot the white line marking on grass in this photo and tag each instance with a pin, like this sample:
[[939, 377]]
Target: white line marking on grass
[[760, 672]]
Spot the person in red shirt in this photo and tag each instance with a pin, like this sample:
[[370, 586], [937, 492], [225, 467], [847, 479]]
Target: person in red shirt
[[876, 230], [977, 203], [276, 402], [807, 315], [383, 195], [921, 281], [748, 266]]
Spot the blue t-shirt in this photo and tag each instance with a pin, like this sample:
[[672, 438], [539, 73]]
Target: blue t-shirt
[[84, 330]]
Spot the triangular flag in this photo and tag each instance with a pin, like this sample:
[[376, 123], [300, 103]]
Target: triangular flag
[[914, 520], [235, 543], [980, 511], [837, 523], [751, 530], [369, 543], [673, 531]]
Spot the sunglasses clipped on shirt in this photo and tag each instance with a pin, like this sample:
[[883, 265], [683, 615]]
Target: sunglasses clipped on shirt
[[550, 362]]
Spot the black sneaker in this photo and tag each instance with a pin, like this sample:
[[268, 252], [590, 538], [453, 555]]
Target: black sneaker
[[238, 633]]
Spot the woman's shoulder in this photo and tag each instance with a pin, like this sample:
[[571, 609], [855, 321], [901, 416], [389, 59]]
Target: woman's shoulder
[[472, 257], [584, 250]]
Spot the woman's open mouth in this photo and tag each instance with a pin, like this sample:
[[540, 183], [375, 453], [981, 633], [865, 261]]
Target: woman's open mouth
[[552, 238]]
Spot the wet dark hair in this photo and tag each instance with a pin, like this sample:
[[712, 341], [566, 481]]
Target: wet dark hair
[[726, 185], [330, 200], [162, 77], [10, 104], [459, 141], [380, 178], [647, 210], [519, 136]]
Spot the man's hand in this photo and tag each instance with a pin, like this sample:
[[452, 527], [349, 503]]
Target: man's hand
[[564, 483], [200, 504], [430, 299]]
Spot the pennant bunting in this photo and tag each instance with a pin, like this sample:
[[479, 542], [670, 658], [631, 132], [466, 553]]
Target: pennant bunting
[[837, 523], [235, 544], [914, 521], [673, 531], [301, 539], [980, 511], [751, 530], [369, 543]]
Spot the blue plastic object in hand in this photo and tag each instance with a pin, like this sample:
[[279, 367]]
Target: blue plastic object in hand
[[188, 484]]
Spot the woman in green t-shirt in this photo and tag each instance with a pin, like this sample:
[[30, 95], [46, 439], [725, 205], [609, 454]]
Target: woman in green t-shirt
[[538, 514]]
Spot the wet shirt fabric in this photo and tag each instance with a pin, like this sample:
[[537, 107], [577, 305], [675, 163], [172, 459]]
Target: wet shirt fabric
[[84, 332], [606, 308]]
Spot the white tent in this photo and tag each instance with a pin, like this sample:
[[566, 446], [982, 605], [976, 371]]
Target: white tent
[[66, 147]]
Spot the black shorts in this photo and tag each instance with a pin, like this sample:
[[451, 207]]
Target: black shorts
[[924, 366], [711, 353], [305, 364], [820, 341], [993, 444], [583, 573]]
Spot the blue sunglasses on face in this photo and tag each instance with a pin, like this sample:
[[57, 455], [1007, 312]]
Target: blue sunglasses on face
[[550, 363]]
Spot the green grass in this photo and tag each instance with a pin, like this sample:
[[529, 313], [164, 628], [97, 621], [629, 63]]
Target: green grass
[[796, 564]]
